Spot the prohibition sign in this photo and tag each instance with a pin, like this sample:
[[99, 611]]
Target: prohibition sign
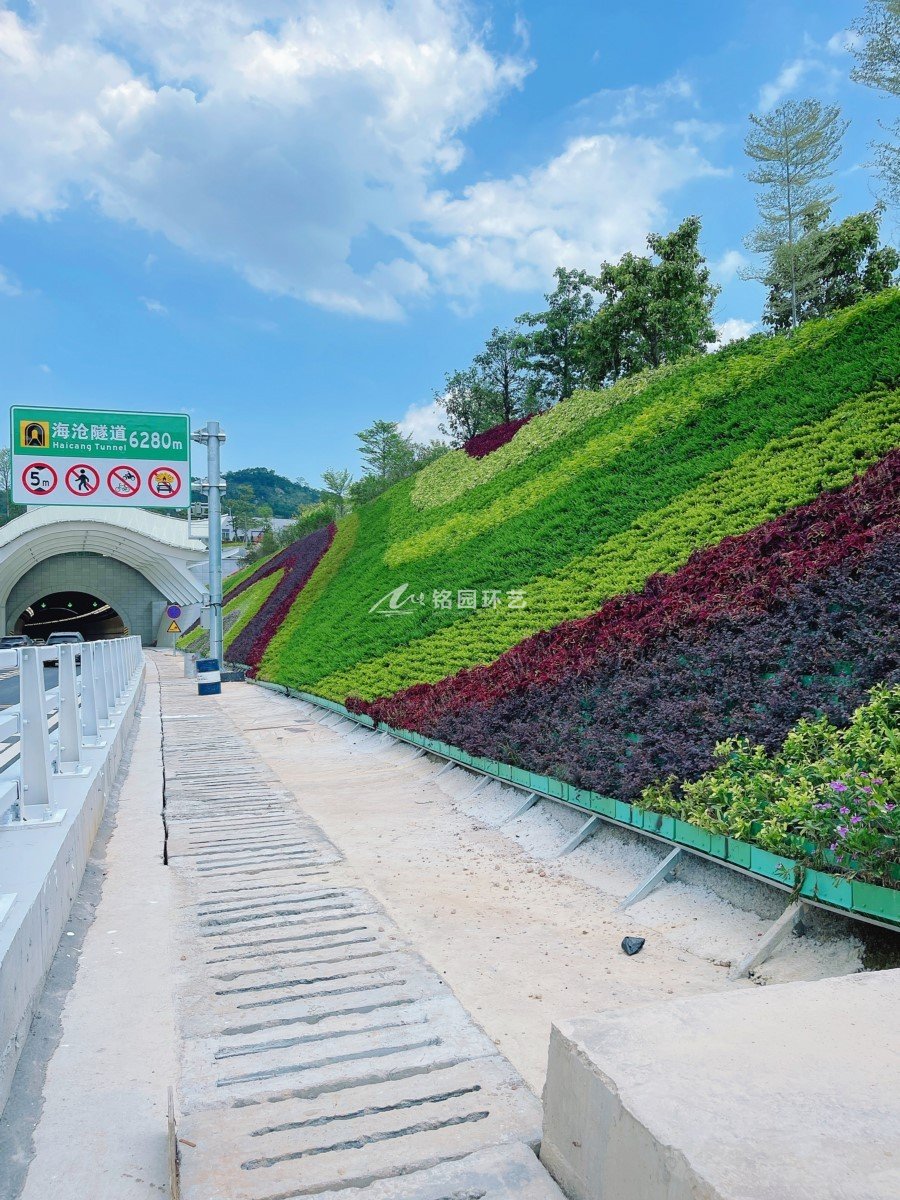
[[82, 479], [123, 481], [164, 481], [39, 478]]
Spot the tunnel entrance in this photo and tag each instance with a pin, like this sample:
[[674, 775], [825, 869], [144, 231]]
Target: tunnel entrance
[[79, 612]]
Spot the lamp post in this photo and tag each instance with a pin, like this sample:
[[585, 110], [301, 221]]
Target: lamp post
[[214, 486]]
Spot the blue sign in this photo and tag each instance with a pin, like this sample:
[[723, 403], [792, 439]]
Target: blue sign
[[173, 611]]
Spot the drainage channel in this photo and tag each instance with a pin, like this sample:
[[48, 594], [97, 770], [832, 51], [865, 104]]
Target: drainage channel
[[320, 1053]]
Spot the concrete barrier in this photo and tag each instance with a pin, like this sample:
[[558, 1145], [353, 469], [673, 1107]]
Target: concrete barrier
[[42, 868], [789, 1092]]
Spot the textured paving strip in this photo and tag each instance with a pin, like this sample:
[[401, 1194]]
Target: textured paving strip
[[319, 1052]]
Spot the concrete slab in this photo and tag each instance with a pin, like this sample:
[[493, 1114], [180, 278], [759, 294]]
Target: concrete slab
[[350, 1137], [319, 1051], [789, 1092]]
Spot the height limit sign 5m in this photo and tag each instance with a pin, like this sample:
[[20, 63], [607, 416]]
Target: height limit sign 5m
[[93, 457]]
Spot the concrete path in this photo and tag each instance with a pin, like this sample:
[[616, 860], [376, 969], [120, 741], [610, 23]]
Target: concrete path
[[319, 1052], [100, 1113]]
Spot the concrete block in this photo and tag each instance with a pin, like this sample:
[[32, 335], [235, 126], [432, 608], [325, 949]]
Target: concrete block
[[353, 1137], [789, 1092]]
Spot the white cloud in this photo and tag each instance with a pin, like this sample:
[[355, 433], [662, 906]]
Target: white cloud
[[154, 306], [284, 140], [422, 421], [732, 330], [731, 262], [798, 71], [842, 42], [45, 369], [595, 200], [9, 285]]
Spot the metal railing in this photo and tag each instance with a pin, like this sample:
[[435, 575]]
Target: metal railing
[[46, 733]]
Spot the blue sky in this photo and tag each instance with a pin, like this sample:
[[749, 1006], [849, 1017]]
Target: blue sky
[[296, 215]]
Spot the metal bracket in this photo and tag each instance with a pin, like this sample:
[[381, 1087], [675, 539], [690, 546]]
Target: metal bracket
[[785, 924], [529, 802], [446, 767], [584, 832], [665, 871], [477, 788]]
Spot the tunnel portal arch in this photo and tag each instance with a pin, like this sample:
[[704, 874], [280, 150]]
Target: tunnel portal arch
[[136, 561], [120, 586]]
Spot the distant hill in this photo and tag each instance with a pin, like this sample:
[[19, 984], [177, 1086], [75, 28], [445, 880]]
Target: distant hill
[[284, 495]]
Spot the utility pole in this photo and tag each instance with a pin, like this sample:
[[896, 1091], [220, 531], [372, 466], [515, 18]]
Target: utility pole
[[213, 486]]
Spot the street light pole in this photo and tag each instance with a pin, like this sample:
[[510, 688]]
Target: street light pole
[[213, 486]]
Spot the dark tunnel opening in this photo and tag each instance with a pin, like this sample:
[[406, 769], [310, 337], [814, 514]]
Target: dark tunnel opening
[[88, 615]]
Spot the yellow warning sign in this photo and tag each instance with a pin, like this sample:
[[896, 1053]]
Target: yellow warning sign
[[174, 627]]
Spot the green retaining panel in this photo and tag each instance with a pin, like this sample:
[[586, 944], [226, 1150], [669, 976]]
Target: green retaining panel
[[851, 896]]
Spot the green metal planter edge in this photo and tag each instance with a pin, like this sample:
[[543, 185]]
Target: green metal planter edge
[[835, 891]]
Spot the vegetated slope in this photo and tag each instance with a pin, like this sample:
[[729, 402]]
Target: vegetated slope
[[702, 555], [258, 598], [590, 500]]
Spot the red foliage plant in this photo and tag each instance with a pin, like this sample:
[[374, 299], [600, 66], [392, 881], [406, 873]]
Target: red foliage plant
[[298, 561], [483, 444], [738, 577]]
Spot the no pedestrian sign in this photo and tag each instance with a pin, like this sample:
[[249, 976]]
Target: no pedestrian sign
[[68, 456]]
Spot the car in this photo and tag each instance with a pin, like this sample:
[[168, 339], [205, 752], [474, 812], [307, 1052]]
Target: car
[[68, 637], [14, 641]]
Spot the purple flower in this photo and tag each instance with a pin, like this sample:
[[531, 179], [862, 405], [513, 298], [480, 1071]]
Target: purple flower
[[889, 807], [833, 847], [867, 790], [823, 807], [842, 831], [876, 781], [843, 810], [837, 786], [855, 820]]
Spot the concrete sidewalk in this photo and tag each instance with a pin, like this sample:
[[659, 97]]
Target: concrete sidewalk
[[101, 1109]]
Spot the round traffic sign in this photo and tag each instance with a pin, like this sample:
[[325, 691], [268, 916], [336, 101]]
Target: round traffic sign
[[164, 482], [174, 611], [123, 481], [39, 478], [82, 479]]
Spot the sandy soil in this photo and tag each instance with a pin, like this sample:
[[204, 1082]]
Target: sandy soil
[[521, 939]]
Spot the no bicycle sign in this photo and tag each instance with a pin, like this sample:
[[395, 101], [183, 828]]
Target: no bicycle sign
[[67, 456]]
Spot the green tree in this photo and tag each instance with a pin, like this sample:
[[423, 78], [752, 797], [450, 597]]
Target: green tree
[[654, 309], [470, 404], [386, 453], [840, 263], [554, 349], [502, 369], [878, 66], [337, 487], [795, 148]]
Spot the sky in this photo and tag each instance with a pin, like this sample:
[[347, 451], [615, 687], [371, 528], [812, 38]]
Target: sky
[[296, 216]]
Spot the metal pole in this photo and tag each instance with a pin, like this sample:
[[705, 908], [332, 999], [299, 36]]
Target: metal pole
[[213, 486]]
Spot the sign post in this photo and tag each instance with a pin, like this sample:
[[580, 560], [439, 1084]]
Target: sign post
[[74, 456], [213, 486]]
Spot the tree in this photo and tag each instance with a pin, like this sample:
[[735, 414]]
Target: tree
[[469, 403], [5, 477], [502, 367], [654, 309], [337, 487], [841, 264], [553, 349], [795, 146], [878, 66], [386, 453]]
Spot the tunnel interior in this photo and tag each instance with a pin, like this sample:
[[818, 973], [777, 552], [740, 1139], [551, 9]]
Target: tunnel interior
[[88, 615]]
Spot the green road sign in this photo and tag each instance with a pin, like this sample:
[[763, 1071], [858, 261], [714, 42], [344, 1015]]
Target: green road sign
[[86, 456]]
